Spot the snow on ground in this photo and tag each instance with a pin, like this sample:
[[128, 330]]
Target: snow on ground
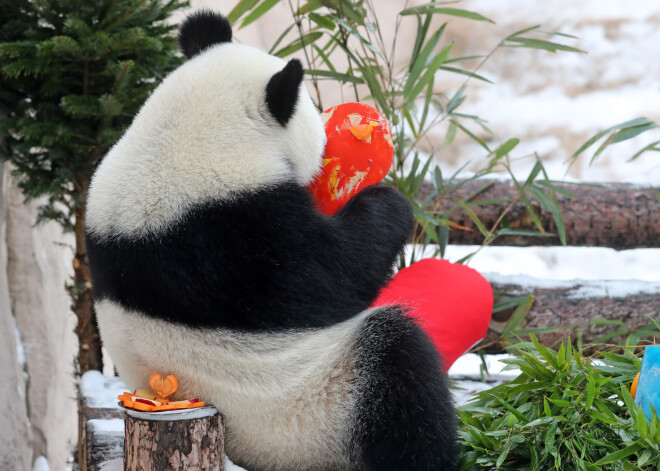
[[41, 464], [229, 466], [21, 358], [118, 465], [106, 426], [101, 391], [467, 376]]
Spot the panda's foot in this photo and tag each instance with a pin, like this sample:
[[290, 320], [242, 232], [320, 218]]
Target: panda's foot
[[405, 413]]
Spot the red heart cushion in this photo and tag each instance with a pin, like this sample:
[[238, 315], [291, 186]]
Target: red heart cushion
[[451, 302]]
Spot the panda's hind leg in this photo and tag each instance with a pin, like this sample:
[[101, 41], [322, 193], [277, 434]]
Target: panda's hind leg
[[405, 414]]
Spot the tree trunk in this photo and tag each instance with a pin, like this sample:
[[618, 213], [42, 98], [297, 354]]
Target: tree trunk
[[572, 305], [193, 440], [616, 215], [90, 356]]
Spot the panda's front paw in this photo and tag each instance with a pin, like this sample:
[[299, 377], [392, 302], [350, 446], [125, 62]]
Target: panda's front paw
[[383, 210]]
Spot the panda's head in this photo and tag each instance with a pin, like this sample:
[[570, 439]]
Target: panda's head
[[231, 120]]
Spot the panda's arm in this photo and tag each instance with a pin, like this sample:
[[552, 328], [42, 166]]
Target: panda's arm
[[337, 265], [374, 226]]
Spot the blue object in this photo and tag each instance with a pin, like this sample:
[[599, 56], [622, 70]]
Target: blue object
[[648, 387]]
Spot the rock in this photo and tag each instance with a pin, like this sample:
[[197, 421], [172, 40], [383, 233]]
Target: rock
[[15, 434], [36, 271]]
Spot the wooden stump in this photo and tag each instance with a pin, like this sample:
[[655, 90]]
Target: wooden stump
[[191, 439]]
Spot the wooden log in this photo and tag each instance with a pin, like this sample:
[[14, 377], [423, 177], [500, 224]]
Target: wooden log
[[615, 215], [100, 428], [568, 305], [191, 439], [88, 448]]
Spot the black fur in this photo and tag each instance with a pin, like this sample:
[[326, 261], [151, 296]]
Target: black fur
[[265, 261], [282, 91], [405, 416], [201, 30]]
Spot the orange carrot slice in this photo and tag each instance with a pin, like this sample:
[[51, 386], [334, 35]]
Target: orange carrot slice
[[362, 131]]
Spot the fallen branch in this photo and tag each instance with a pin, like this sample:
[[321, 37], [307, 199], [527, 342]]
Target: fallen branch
[[568, 305], [616, 215]]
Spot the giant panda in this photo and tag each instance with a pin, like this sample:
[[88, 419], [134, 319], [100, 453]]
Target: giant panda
[[210, 261]]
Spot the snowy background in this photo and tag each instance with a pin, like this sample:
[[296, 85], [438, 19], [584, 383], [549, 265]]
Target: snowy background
[[555, 102]]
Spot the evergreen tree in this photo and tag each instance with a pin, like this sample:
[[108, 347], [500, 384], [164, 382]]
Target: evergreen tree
[[72, 75]]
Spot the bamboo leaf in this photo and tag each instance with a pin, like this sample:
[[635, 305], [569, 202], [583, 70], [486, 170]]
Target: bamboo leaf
[[507, 147], [630, 132], [240, 9], [422, 31], [418, 62], [429, 75], [599, 135], [473, 136], [542, 44], [591, 393], [522, 232], [418, 9], [457, 12], [322, 21], [474, 218], [653, 146], [299, 43], [344, 78], [258, 12], [454, 70], [619, 455], [280, 38], [508, 303], [518, 315], [552, 205], [310, 6]]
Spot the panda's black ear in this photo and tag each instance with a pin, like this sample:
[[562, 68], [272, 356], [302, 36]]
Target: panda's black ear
[[282, 91], [201, 30]]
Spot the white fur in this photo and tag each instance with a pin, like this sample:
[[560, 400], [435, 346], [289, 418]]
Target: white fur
[[204, 134], [286, 397]]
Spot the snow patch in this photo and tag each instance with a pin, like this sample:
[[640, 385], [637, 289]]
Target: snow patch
[[21, 358], [581, 288], [467, 379], [615, 289], [20, 351], [229, 466], [468, 366], [100, 391], [41, 464], [562, 263], [116, 464], [464, 390], [567, 10], [106, 426]]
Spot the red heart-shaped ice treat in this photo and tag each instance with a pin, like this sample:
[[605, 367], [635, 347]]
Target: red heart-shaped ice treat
[[451, 302], [358, 154]]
